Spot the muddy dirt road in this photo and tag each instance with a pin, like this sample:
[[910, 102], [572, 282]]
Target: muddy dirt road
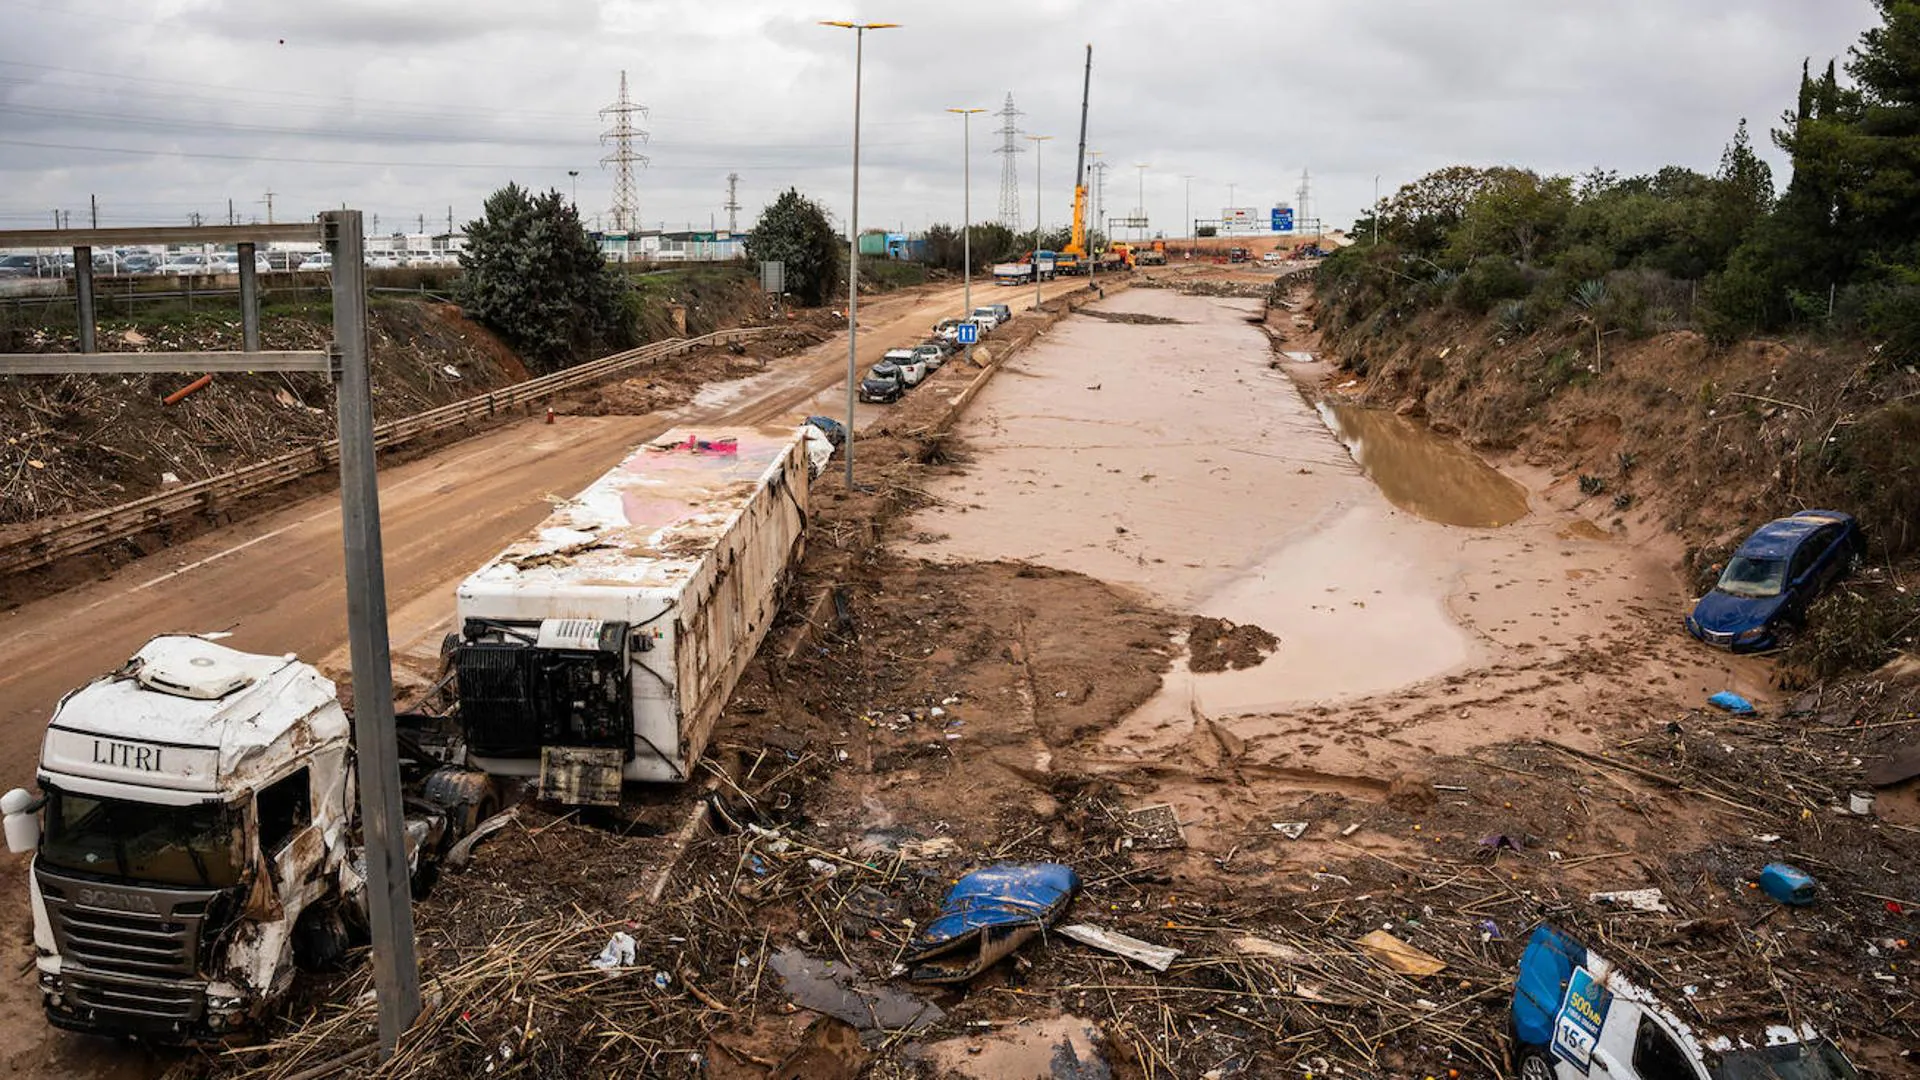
[[274, 582]]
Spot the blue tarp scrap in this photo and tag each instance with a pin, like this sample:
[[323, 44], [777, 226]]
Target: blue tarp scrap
[[1732, 702], [987, 915]]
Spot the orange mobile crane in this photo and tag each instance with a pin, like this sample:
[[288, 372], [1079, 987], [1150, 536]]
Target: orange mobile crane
[[1073, 259]]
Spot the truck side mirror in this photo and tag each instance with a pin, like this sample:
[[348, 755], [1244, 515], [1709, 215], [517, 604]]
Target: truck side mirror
[[22, 812]]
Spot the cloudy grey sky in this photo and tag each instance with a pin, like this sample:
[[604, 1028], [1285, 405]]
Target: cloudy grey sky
[[404, 108]]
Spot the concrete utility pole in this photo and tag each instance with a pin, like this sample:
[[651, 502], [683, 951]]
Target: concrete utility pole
[[1140, 214], [1039, 215], [1376, 208], [269, 201], [853, 235], [733, 202], [93, 202], [1189, 179]]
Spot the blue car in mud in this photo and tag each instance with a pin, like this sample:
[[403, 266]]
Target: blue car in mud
[[1774, 576]]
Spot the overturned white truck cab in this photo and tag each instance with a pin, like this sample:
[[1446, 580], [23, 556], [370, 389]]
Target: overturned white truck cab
[[195, 840], [601, 647]]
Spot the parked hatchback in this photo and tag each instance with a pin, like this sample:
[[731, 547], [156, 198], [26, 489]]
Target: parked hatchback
[[1773, 577], [883, 384]]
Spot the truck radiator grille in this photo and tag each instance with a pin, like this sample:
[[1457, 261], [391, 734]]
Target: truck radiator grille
[[515, 700], [129, 950], [496, 700]]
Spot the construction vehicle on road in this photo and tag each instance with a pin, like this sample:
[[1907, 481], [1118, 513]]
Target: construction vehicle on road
[[1155, 254], [1074, 258]]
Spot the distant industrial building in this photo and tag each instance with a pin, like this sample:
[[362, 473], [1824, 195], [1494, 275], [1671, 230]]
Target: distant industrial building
[[656, 245]]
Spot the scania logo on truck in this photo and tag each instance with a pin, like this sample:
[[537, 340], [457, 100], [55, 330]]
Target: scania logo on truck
[[116, 901]]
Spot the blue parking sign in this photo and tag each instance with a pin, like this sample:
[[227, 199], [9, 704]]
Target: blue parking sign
[[967, 333]]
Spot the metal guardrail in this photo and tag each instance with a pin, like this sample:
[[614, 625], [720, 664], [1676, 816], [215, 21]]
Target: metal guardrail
[[101, 527]]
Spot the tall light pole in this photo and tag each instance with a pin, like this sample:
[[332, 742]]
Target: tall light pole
[[1376, 208], [1036, 140], [1140, 212], [1189, 179], [853, 235], [575, 174], [966, 208], [1092, 253]]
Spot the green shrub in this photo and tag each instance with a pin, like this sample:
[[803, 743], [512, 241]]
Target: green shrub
[[1489, 281], [1856, 627], [1893, 317], [1872, 468]]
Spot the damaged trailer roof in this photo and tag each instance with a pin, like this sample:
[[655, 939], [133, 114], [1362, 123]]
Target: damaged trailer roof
[[648, 521]]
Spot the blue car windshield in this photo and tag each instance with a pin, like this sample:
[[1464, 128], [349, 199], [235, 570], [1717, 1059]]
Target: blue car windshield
[[1754, 577]]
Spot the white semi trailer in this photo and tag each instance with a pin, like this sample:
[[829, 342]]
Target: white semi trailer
[[601, 647]]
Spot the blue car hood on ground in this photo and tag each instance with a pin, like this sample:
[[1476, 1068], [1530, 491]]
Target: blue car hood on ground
[[1725, 613]]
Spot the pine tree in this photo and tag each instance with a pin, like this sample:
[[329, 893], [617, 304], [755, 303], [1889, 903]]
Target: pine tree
[[536, 278], [794, 230]]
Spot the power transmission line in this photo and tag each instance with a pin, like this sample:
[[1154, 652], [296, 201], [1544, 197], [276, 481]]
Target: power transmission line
[[1009, 171], [626, 203]]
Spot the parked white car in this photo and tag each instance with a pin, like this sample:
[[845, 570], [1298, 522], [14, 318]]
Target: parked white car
[[230, 264], [187, 265], [318, 261]]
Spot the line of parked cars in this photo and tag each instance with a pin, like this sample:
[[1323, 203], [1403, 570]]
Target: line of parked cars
[[191, 263], [902, 369]]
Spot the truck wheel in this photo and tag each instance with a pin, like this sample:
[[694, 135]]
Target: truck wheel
[[1535, 1063], [320, 939]]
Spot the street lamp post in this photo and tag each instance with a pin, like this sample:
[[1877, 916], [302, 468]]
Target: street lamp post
[[1037, 213], [966, 210], [1189, 179], [853, 235], [575, 173], [1098, 228], [1376, 208], [1140, 211]]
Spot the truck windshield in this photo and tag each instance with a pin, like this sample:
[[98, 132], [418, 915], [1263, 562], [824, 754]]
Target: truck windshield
[[1817, 1060], [1754, 577], [165, 845]]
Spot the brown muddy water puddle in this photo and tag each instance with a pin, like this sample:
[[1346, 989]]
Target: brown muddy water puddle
[[1424, 473], [1171, 458]]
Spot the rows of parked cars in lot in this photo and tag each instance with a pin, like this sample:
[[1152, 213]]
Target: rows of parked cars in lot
[[903, 369], [194, 263]]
